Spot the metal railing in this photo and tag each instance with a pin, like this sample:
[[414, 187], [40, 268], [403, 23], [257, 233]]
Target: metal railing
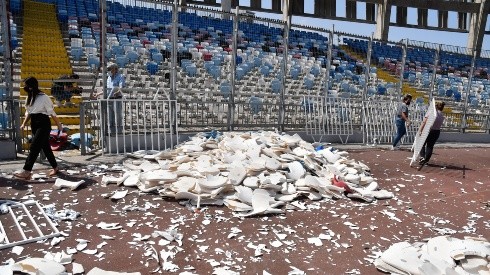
[[127, 125]]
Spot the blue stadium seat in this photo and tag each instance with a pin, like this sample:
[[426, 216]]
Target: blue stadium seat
[[255, 104], [225, 89], [76, 53], [449, 93], [457, 96], [121, 61], [152, 67], [276, 86], [93, 62]]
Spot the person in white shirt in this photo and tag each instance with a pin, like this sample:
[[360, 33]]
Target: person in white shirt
[[38, 110], [115, 82]]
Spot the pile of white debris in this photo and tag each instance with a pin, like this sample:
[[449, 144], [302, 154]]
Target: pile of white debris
[[251, 173], [440, 255]]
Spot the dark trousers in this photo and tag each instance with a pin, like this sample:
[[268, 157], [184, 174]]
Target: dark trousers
[[41, 129], [426, 151], [115, 116]]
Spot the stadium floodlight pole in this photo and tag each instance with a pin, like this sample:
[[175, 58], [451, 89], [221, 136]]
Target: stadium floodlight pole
[[367, 68], [173, 66], [287, 26], [468, 90], [434, 73], [329, 61], [231, 103], [402, 68]]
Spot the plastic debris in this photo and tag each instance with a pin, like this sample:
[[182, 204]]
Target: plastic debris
[[60, 215], [440, 255]]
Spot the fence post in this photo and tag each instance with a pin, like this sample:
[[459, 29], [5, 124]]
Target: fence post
[[468, 90], [173, 66], [5, 37], [284, 71], [231, 102], [329, 62], [103, 107], [103, 40], [402, 69], [368, 66], [434, 72], [82, 129], [16, 116]]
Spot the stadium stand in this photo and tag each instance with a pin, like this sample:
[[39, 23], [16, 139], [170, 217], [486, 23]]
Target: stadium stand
[[139, 40], [451, 74]]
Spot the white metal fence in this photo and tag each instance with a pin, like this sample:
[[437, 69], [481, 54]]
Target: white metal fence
[[379, 121], [127, 125], [330, 116]]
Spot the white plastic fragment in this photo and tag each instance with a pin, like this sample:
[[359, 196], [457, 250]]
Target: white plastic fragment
[[98, 271], [17, 250], [109, 226], [61, 183], [39, 266], [77, 269], [119, 195], [440, 255], [316, 241]]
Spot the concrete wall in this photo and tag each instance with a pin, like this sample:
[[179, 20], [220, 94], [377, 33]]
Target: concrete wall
[[131, 143], [464, 138], [7, 151]]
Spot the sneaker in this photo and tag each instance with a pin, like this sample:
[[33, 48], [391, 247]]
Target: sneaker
[[58, 103], [395, 148], [68, 104], [422, 161]]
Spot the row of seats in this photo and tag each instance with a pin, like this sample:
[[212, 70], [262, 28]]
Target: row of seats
[[147, 48], [423, 57], [43, 53], [452, 75], [140, 44]]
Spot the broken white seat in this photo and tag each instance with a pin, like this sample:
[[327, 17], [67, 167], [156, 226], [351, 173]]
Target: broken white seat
[[61, 183], [98, 271], [450, 249], [403, 256], [39, 266]]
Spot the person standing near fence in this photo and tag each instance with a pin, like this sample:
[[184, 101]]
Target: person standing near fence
[[115, 82], [435, 131], [38, 110], [401, 120], [64, 90]]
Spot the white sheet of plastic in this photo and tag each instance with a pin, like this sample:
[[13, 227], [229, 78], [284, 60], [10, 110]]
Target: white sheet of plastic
[[421, 138]]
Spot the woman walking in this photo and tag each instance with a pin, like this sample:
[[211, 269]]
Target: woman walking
[[38, 110]]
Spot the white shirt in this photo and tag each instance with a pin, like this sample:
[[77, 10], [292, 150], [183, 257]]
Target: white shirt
[[42, 105], [114, 81]]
